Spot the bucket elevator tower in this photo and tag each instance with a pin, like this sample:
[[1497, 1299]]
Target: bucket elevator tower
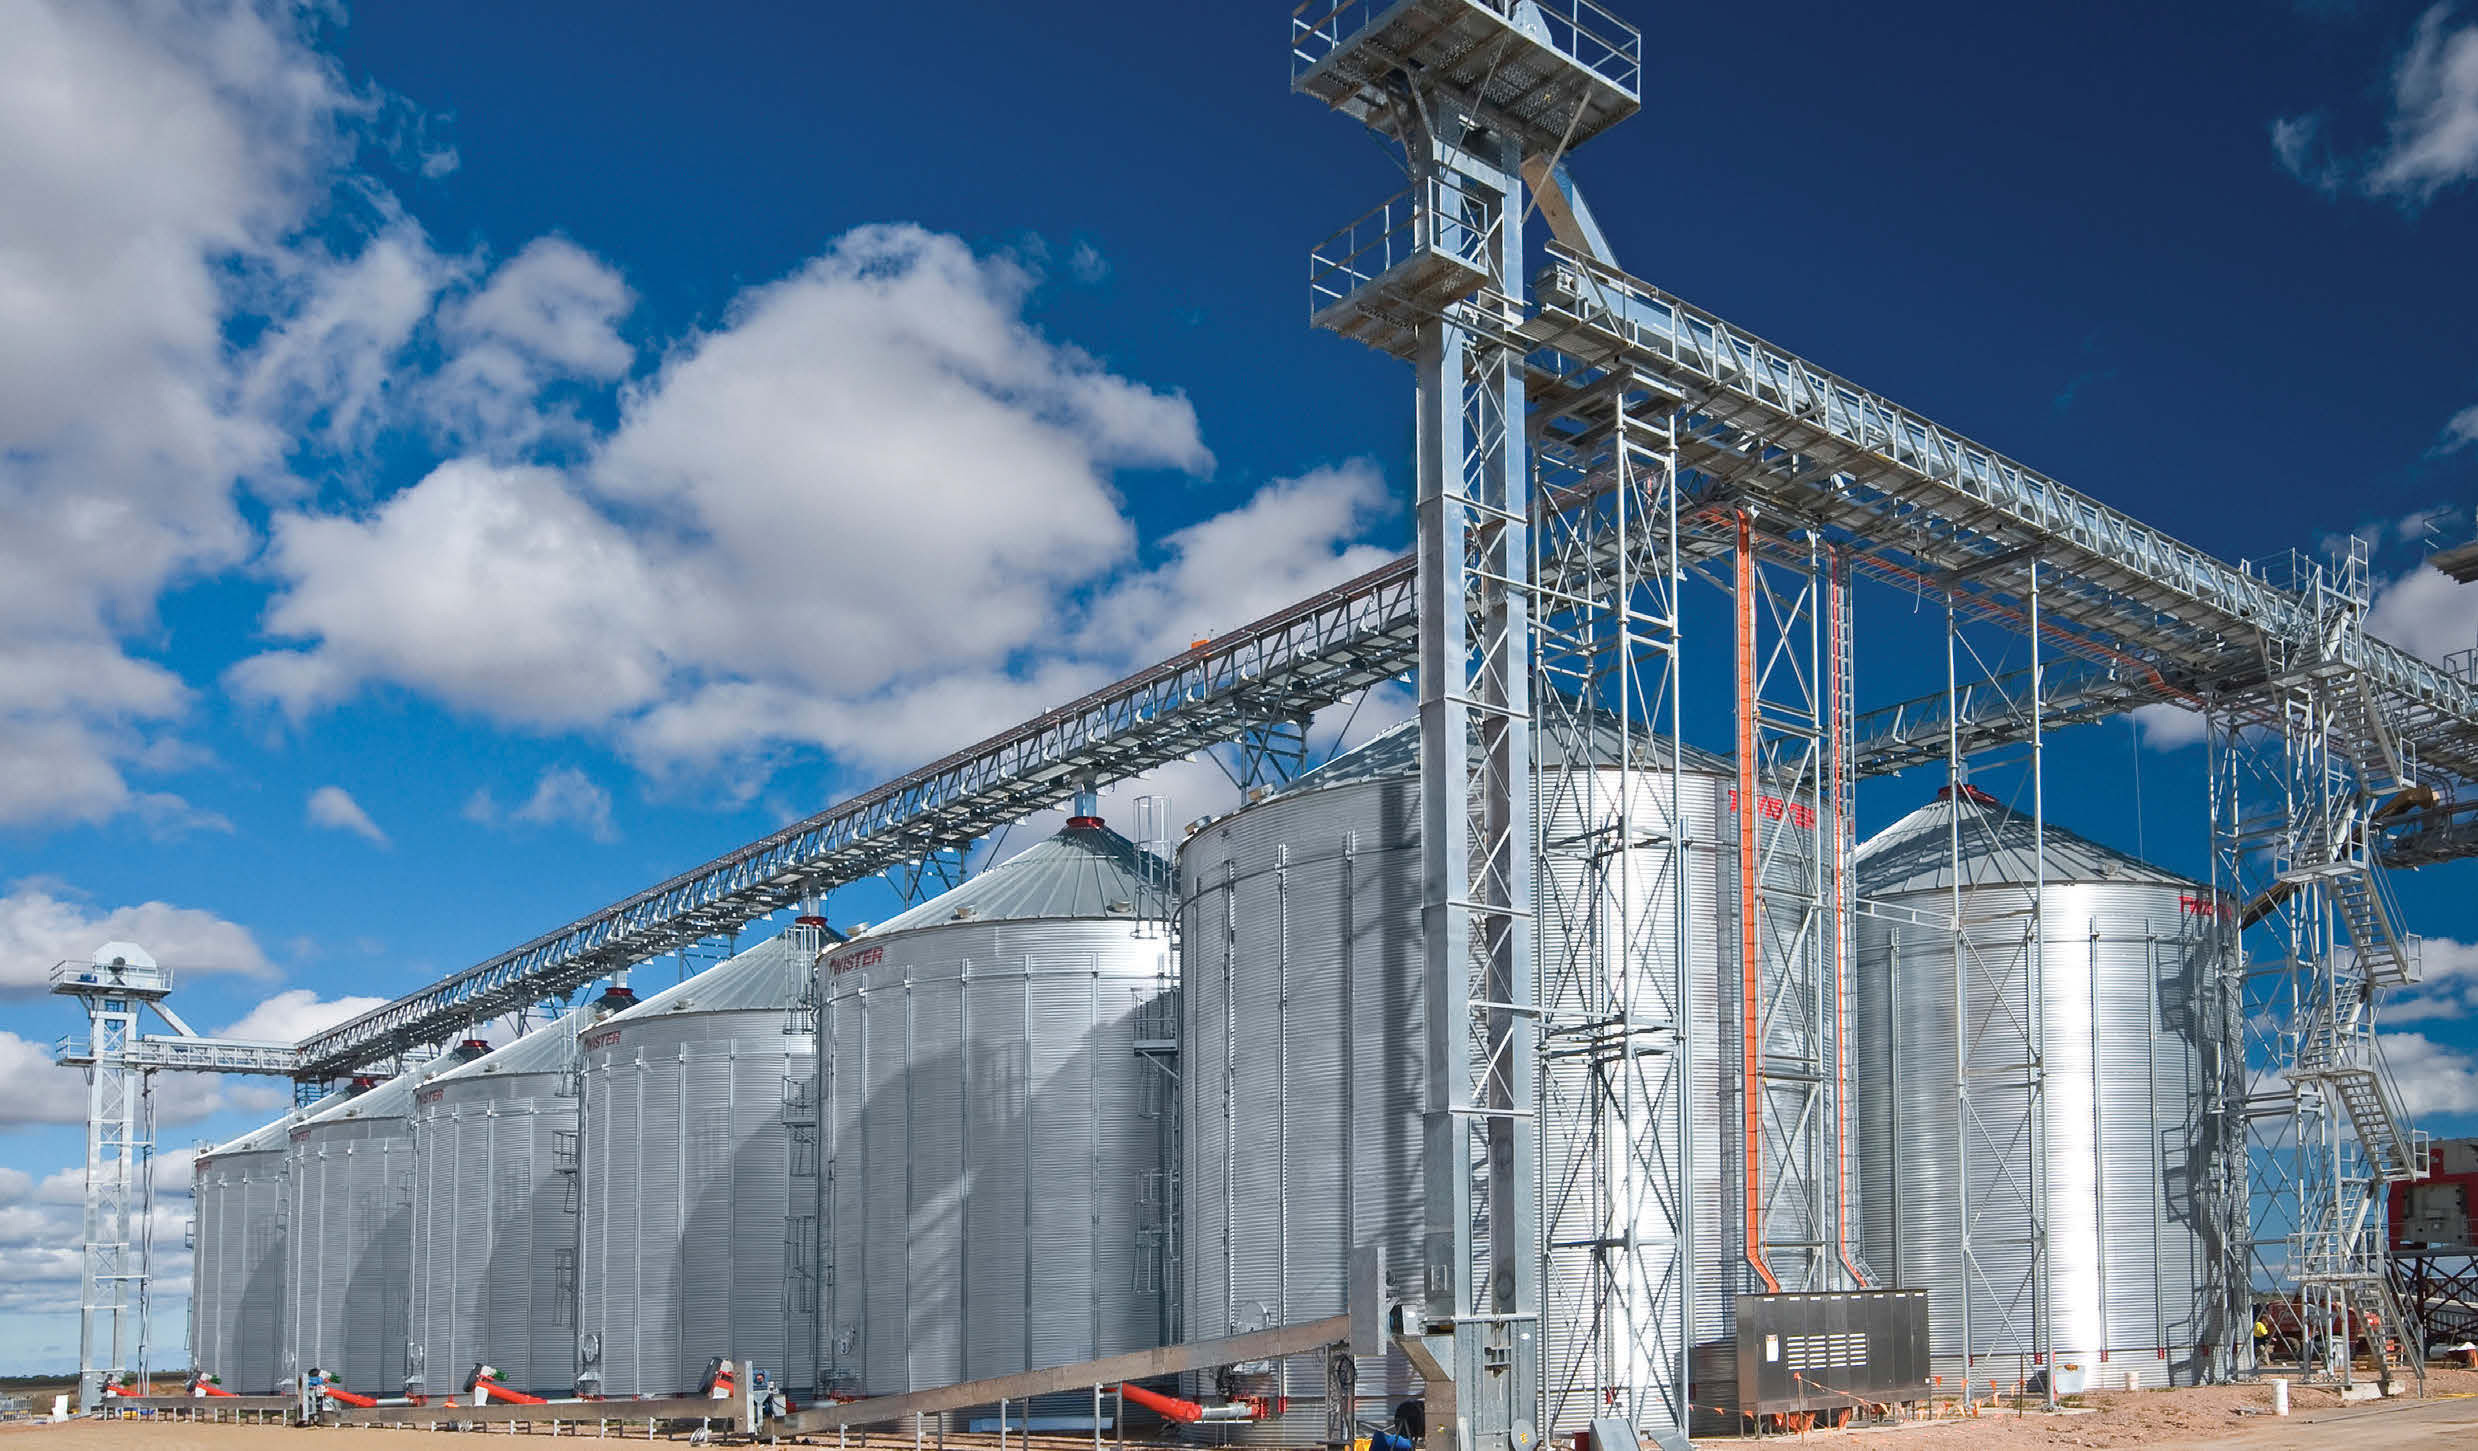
[[1469, 91], [115, 989]]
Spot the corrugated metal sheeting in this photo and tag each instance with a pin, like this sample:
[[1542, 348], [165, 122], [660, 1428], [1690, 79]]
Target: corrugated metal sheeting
[[694, 1238], [1303, 1058], [995, 1192], [236, 1301], [2131, 1040], [349, 1240], [494, 1216]]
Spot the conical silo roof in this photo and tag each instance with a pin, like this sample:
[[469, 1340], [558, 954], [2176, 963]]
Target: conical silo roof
[[546, 1049], [1086, 870], [274, 1134], [773, 974], [1396, 752], [1999, 849], [392, 1099]]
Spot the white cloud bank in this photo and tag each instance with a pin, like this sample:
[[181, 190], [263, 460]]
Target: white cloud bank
[[2432, 130], [42, 923]]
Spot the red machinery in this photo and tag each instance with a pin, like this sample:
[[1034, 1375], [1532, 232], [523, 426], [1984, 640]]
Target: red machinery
[[2434, 1237]]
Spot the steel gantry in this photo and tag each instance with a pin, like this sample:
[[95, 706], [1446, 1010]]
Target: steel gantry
[[1587, 442], [118, 988], [1469, 93]]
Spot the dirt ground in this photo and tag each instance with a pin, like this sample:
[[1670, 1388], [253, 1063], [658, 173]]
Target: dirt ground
[[2182, 1420], [2201, 1416]]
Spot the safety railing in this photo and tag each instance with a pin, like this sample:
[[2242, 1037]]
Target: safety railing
[[1436, 220], [1585, 33]]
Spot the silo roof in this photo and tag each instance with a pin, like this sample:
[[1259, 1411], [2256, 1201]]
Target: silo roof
[[1396, 752], [546, 1049], [392, 1099], [772, 974], [274, 1135], [1086, 870], [1915, 854]]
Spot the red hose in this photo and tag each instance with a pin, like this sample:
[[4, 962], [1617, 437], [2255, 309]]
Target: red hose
[[1171, 1406]]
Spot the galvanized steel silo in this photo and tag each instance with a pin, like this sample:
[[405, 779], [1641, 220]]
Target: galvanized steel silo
[[494, 1213], [349, 1242], [695, 1237], [2131, 1033], [1303, 1050], [997, 1116], [236, 1298]]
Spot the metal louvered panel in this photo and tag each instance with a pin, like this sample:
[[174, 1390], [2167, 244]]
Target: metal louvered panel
[[992, 1150], [2129, 1046]]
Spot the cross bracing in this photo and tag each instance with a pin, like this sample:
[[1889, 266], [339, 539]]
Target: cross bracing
[[2142, 616]]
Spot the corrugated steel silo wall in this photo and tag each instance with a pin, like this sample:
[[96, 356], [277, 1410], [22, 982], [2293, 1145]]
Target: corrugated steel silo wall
[[237, 1292], [494, 1228], [687, 1205], [2130, 1045], [348, 1251], [991, 1140], [1301, 946]]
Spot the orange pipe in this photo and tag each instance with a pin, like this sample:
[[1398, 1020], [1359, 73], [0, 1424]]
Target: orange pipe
[[351, 1398], [1750, 926], [1171, 1406], [497, 1392]]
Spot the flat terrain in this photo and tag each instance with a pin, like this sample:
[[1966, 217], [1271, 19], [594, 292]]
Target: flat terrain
[[2208, 1416]]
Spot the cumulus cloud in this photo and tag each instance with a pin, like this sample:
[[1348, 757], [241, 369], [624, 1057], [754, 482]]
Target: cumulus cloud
[[550, 313], [43, 923], [563, 795], [2447, 984], [2460, 431], [333, 807], [2433, 1078], [294, 1014], [156, 160], [2426, 612], [34, 1089], [2166, 727]]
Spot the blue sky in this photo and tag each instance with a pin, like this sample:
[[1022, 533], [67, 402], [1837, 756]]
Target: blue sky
[[464, 462]]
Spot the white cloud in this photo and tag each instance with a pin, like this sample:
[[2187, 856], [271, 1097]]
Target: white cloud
[[2447, 984], [2298, 142], [34, 1089], [334, 808], [2434, 140], [2166, 727], [563, 795], [156, 158], [41, 924], [2426, 612], [549, 313], [294, 1014], [2460, 431], [2433, 1078]]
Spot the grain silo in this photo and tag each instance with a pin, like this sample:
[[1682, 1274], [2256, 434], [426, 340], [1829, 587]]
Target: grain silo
[[349, 1240], [236, 1297], [494, 1213], [1304, 1047], [2126, 1023], [998, 1121], [697, 1170]]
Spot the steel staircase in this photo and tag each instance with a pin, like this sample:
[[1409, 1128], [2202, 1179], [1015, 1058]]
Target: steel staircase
[[2337, 1051]]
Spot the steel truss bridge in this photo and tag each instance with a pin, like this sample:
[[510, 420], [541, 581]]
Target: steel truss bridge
[[1589, 441]]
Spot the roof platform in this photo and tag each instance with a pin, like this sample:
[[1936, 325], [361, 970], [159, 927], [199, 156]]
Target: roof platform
[[1555, 73]]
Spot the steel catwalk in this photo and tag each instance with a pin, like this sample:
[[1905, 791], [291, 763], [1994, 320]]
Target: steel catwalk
[[688, 1222], [1301, 1063], [2132, 1039], [995, 1188]]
